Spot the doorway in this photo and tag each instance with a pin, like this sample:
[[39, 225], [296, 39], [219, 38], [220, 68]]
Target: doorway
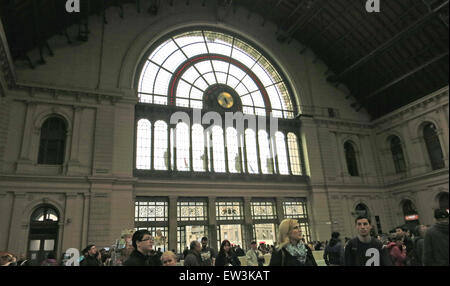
[[231, 232], [43, 237]]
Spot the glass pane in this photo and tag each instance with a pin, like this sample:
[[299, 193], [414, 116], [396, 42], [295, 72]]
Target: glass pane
[[294, 154], [265, 233], [234, 160], [218, 149], [231, 232], [49, 245], [198, 148], [252, 156], [160, 148], [34, 245], [281, 153], [143, 148]]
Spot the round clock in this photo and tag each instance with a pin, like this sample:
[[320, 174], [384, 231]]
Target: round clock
[[225, 100]]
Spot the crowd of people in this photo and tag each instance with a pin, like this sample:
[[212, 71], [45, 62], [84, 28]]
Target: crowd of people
[[425, 246]]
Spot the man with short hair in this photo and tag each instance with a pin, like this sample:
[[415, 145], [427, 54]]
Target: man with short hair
[[435, 248], [142, 254], [193, 258], [207, 253], [90, 256], [364, 250], [254, 256]]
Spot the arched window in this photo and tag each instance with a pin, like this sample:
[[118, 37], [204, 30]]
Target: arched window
[[252, 155], [198, 148], [362, 210], [218, 149], [234, 160], [144, 143], [161, 158], [221, 73], [397, 155], [433, 145], [294, 154], [265, 153], [350, 157], [45, 213], [280, 144], [408, 208], [52, 142], [181, 69], [182, 146], [443, 201]]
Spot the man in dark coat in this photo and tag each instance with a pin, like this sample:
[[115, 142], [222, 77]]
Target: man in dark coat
[[435, 250], [142, 255], [364, 250], [334, 251], [194, 258], [90, 256]]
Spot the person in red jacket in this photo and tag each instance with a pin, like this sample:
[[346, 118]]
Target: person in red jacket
[[397, 251]]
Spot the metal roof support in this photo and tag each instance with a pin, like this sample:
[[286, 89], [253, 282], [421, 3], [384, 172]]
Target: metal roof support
[[408, 74], [406, 32]]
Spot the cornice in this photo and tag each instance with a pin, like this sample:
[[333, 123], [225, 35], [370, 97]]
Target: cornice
[[421, 103]]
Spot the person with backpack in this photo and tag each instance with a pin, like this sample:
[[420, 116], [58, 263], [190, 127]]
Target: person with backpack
[[334, 251], [417, 255], [292, 251], [364, 250]]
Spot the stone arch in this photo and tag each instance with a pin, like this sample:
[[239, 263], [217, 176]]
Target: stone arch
[[50, 112], [366, 204], [35, 204], [437, 197]]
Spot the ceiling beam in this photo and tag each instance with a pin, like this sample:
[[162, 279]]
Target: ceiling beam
[[314, 9], [388, 44], [408, 74]]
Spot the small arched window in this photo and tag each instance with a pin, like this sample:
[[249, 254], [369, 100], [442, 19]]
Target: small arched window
[[443, 201], [362, 210], [397, 155], [45, 213], [350, 157], [431, 139], [53, 141]]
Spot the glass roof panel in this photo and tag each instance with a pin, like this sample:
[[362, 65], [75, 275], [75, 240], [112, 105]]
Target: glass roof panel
[[163, 51], [195, 49]]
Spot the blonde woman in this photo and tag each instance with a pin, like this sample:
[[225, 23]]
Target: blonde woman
[[292, 251]]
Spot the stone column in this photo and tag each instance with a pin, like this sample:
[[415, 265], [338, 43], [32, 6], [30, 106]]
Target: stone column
[[17, 230], [212, 223], [73, 162], [248, 224], [173, 222]]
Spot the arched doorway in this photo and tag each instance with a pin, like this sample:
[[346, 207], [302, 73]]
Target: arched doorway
[[443, 201], [43, 235], [411, 214]]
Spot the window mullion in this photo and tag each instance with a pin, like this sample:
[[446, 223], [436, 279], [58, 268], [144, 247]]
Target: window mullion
[[288, 154]]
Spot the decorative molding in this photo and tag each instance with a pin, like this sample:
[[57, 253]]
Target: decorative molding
[[421, 103]]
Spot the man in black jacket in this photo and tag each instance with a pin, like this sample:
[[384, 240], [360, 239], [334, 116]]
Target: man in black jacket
[[364, 250], [142, 255], [90, 256], [435, 249]]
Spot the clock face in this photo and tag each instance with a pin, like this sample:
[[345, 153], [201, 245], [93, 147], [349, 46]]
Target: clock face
[[225, 100]]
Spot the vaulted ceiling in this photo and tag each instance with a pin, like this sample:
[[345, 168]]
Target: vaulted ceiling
[[386, 59]]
